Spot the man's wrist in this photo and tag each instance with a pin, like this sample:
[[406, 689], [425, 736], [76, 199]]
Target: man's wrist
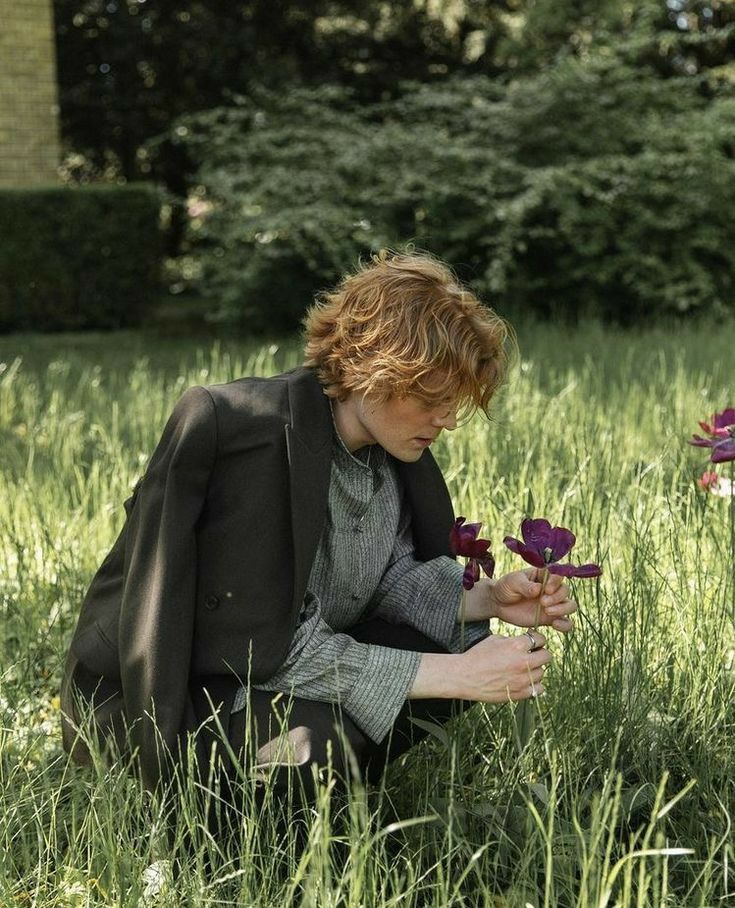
[[439, 676], [478, 604], [492, 604]]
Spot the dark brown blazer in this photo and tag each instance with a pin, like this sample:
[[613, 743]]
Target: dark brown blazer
[[208, 574]]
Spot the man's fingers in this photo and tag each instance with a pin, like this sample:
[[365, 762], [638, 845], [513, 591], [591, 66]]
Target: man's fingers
[[535, 676], [537, 659], [533, 586], [527, 692], [563, 625], [531, 640], [534, 657], [561, 609], [555, 594]]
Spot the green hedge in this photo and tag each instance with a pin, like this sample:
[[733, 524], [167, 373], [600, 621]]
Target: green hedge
[[78, 257], [595, 189]]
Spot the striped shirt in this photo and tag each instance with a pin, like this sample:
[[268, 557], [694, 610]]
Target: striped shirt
[[365, 566]]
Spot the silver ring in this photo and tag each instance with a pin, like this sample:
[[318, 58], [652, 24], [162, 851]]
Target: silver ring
[[533, 641]]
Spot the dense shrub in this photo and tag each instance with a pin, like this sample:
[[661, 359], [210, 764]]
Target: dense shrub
[[293, 189], [622, 238], [85, 257], [278, 184], [594, 188]]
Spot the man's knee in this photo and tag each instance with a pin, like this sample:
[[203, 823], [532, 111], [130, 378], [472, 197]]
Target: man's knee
[[304, 743]]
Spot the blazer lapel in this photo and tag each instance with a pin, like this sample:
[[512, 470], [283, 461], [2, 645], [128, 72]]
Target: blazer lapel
[[431, 509], [309, 446]]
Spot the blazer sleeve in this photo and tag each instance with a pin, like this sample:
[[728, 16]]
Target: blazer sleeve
[[159, 586]]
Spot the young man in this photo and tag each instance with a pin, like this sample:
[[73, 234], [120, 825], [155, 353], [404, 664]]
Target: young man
[[285, 557]]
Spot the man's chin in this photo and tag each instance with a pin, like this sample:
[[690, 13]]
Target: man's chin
[[408, 456]]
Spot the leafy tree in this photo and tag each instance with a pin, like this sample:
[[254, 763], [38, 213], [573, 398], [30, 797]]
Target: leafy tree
[[128, 68], [539, 196], [537, 144]]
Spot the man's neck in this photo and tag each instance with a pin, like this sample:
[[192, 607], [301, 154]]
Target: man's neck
[[348, 423]]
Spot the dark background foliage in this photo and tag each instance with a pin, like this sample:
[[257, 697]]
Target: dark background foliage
[[78, 258], [566, 157], [128, 68]]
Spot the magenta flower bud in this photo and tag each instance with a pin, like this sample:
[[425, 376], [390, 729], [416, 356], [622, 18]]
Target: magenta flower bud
[[463, 541]]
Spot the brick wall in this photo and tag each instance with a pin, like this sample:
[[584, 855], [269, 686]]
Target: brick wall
[[29, 132]]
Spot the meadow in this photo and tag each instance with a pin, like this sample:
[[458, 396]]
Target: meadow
[[624, 795]]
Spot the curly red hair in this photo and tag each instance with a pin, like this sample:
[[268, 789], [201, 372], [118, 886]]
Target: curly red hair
[[402, 325]]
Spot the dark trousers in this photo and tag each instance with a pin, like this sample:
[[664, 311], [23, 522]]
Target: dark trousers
[[291, 741], [286, 741]]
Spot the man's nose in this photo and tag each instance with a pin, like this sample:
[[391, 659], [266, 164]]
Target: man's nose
[[445, 419]]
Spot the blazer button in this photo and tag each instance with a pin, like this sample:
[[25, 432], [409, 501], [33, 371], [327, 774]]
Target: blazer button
[[211, 602]]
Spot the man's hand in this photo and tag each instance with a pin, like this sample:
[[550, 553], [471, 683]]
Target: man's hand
[[514, 598], [495, 670]]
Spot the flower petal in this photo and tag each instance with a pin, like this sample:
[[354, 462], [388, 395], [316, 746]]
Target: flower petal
[[471, 574], [725, 418], [561, 542], [487, 563], [720, 423], [575, 570], [536, 532], [477, 548], [462, 535], [708, 480], [725, 488], [702, 442], [530, 555], [470, 530], [724, 451], [454, 534]]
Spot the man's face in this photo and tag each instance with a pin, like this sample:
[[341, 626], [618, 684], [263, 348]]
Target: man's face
[[404, 426]]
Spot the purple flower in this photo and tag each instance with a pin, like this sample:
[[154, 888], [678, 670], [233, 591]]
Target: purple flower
[[543, 546], [721, 422], [724, 451], [722, 436], [463, 541]]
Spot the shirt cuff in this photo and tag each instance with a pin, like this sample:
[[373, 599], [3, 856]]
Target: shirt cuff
[[378, 695], [436, 599], [467, 634], [437, 615]]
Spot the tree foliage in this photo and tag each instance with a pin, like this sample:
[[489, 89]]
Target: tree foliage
[[565, 155], [587, 189], [128, 68]]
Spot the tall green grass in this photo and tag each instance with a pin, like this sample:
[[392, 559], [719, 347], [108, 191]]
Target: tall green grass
[[625, 794]]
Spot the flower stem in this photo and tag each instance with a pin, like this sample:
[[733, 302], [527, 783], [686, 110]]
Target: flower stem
[[525, 715], [544, 578]]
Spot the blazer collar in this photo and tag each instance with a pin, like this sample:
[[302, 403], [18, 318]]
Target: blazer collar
[[309, 447], [310, 418]]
